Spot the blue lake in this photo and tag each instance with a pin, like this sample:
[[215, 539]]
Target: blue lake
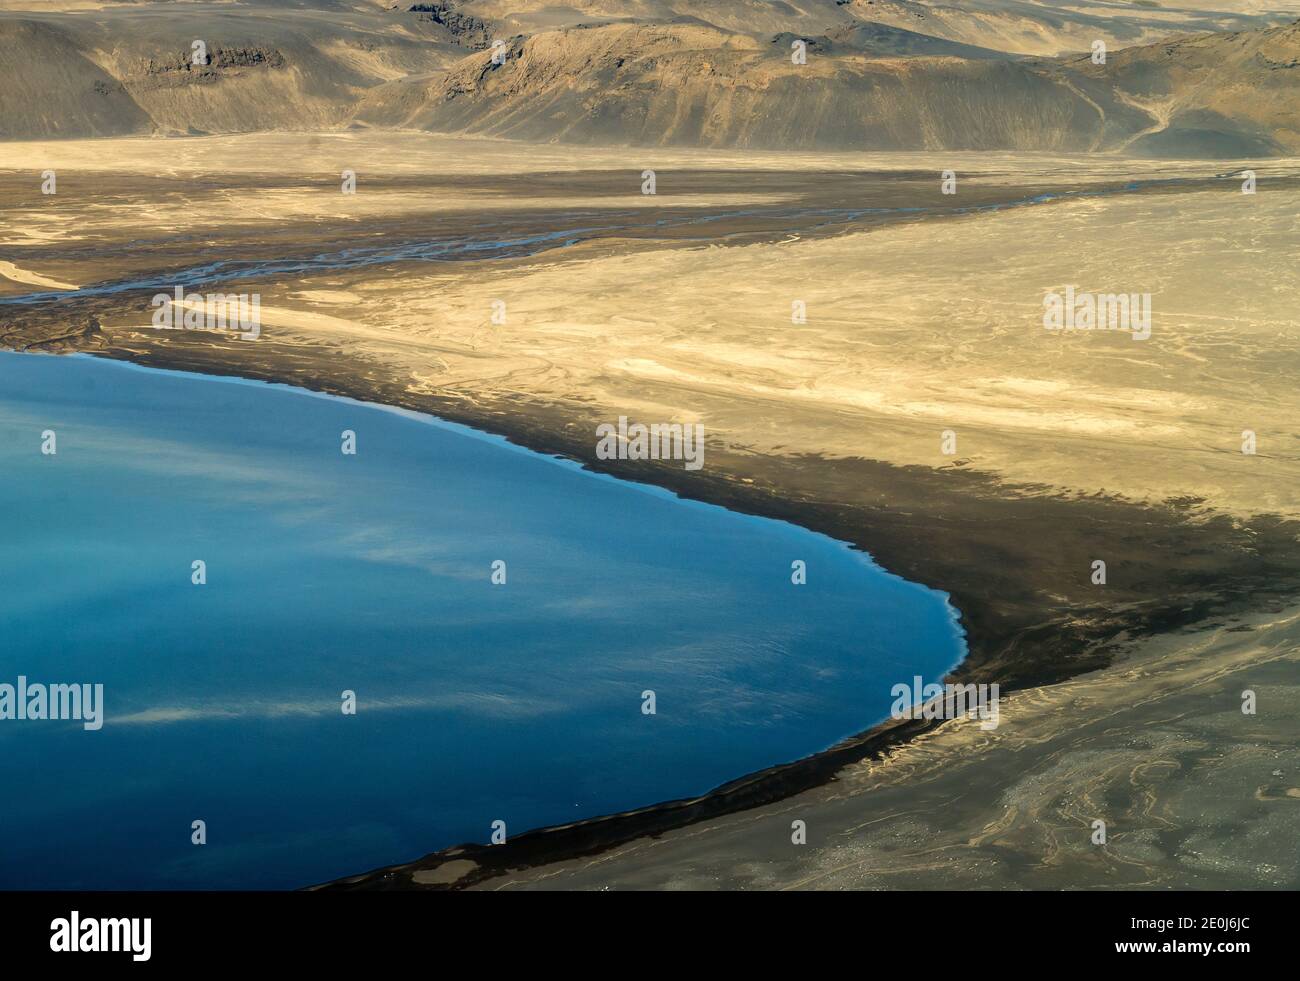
[[371, 572]]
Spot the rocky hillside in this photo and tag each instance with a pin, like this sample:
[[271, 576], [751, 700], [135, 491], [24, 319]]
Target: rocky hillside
[[879, 74], [1027, 27], [695, 85], [125, 70], [1221, 95]]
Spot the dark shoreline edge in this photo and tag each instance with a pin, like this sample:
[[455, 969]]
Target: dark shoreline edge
[[987, 544], [1212, 567], [542, 846]]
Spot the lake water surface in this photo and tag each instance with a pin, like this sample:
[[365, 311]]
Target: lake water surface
[[371, 573]]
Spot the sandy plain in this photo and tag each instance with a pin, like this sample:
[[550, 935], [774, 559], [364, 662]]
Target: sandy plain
[[924, 314]]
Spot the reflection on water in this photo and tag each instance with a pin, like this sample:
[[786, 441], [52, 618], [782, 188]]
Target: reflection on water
[[371, 573]]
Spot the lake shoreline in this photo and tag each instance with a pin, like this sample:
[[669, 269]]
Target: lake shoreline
[[1016, 635], [1013, 555]]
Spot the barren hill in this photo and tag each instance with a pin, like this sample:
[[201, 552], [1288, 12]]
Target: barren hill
[[130, 69], [1221, 95], [879, 74]]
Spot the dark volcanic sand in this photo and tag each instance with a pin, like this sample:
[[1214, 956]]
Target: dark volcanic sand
[[992, 547], [1014, 559]]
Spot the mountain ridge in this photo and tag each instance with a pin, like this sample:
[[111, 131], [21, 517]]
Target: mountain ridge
[[866, 85]]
